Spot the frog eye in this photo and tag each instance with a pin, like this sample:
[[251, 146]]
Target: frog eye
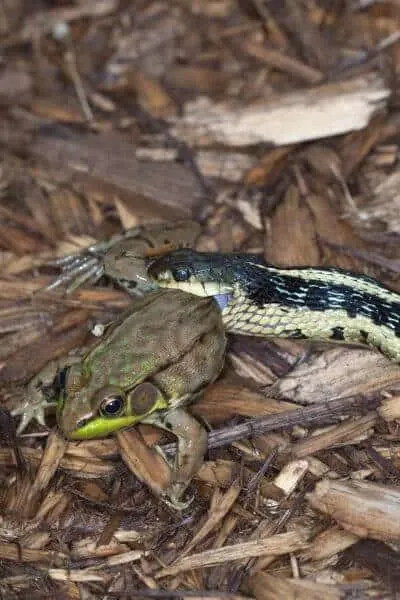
[[112, 406], [181, 274]]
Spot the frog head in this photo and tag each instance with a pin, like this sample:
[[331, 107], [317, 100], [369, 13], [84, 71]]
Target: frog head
[[86, 413]]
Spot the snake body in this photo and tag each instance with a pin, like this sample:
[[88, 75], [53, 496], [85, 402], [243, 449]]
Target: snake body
[[326, 304]]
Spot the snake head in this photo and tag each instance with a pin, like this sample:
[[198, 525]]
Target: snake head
[[199, 273]]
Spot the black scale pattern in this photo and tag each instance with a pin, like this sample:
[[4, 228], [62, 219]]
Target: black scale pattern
[[264, 287]]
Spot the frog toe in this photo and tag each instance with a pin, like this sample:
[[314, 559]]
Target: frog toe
[[29, 412], [172, 497]]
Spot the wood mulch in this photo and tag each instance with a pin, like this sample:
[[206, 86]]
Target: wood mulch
[[275, 125]]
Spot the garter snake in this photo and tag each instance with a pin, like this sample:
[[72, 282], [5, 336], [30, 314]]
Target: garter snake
[[326, 304]]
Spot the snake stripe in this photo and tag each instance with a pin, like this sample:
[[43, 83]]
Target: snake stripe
[[321, 290], [335, 276]]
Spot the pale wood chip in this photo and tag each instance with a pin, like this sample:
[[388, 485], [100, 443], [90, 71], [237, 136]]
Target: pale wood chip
[[290, 476], [231, 166], [361, 507], [330, 109], [269, 587], [328, 543], [337, 373], [351, 431], [282, 543]]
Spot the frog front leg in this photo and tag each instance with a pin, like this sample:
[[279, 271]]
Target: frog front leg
[[191, 448], [37, 397], [43, 392]]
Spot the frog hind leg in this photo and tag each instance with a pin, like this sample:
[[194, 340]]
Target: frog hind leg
[[192, 446]]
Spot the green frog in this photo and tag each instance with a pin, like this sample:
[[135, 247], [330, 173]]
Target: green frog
[[148, 365]]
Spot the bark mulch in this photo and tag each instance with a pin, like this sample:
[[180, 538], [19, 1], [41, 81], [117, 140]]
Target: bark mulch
[[276, 126]]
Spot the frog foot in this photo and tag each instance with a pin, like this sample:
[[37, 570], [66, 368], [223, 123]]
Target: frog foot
[[172, 497], [31, 411], [192, 446]]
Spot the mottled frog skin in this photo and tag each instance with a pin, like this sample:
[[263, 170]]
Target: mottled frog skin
[[169, 340]]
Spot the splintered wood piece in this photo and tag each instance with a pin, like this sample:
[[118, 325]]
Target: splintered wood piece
[[108, 161], [309, 220], [144, 462], [300, 247], [364, 508], [268, 587], [351, 431], [280, 544], [337, 373], [221, 401], [89, 466], [51, 458], [220, 506], [22, 554], [328, 543], [327, 110], [283, 62]]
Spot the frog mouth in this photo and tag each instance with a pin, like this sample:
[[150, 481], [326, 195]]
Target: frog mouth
[[91, 429]]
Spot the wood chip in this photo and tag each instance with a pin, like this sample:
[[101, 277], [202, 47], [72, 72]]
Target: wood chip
[[143, 461], [331, 109], [153, 188], [269, 587], [328, 543], [276, 545], [361, 507], [337, 373]]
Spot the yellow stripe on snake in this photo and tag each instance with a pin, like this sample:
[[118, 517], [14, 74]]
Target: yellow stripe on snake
[[324, 304]]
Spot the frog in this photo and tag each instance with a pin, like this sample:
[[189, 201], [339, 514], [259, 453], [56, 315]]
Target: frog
[[147, 367]]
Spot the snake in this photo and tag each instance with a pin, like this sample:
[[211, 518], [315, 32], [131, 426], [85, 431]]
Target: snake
[[324, 304]]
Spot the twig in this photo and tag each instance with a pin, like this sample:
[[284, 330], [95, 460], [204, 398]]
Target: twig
[[309, 415]]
